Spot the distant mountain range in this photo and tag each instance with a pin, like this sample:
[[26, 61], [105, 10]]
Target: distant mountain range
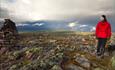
[[82, 26], [53, 26]]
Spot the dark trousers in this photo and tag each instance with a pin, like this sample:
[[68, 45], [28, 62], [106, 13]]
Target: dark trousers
[[101, 46]]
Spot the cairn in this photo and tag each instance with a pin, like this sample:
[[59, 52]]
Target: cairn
[[8, 34]]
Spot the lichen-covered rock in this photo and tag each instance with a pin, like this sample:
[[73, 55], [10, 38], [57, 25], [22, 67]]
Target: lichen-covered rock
[[113, 62], [56, 67], [74, 67], [98, 68], [3, 50], [83, 61]]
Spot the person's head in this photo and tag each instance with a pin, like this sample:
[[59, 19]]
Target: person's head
[[103, 18]]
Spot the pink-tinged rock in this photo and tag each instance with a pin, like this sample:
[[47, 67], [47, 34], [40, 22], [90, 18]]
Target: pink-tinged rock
[[3, 50]]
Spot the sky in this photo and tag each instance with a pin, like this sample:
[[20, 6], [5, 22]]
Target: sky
[[84, 12]]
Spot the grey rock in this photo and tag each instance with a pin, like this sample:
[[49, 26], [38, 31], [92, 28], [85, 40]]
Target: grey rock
[[74, 67], [98, 69], [83, 61], [56, 67], [113, 62]]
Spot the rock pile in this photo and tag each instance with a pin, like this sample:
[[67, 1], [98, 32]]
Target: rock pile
[[8, 34]]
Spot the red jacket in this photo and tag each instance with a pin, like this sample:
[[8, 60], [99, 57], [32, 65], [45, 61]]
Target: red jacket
[[103, 30]]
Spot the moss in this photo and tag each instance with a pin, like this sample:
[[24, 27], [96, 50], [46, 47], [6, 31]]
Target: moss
[[25, 62]]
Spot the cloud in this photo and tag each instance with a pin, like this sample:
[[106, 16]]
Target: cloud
[[86, 28], [77, 26], [23, 10], [22, 24], [83, 26], [72, 25], [38, 24], [3, 13], [92, 29]]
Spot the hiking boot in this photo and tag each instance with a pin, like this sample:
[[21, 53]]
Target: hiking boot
[[98, 54]]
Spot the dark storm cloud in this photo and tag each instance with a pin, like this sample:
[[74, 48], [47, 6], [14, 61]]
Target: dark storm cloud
[[57, 9], [81, 11], [3, 13]]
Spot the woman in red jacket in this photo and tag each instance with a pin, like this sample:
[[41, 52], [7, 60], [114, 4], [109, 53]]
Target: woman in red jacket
[[103, 33]]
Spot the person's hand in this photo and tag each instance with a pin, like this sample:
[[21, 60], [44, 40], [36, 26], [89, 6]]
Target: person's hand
[[108, 41], [95, 37]]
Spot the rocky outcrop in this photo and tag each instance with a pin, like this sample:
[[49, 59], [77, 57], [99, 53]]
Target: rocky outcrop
[[8, 34], [55, 51]]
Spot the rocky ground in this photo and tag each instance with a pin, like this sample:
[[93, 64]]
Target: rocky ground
[[55, 51]]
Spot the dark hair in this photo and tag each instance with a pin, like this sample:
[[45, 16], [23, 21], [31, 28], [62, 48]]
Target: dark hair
[[104, 16]]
